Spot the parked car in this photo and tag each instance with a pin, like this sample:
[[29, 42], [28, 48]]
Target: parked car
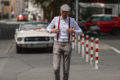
[[23, 16], [33, 35], [101, 23]]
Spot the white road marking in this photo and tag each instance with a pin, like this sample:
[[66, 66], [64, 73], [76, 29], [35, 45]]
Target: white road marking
[[116, 50], [103, 46], [9, 46]]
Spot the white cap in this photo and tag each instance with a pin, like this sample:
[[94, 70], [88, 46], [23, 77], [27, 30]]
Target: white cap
[[65, 7]]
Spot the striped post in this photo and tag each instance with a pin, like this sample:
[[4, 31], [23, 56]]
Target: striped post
[[73, 40], [79, 45], [87, 49], [83, 46], [96, 53], [91, 50]]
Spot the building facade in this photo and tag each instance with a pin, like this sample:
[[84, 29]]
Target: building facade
[[19, 6], [112, 9], [7, 7], [11, 7]]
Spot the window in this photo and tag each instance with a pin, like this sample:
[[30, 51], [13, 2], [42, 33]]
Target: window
[[108, 10], [96, 19], [6, 3], [103, 1], [107, 18]]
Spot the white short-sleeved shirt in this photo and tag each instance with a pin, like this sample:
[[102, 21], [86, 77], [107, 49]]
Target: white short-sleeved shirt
[[64, 25]]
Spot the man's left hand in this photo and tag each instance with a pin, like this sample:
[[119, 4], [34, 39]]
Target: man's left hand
[[71, 30]]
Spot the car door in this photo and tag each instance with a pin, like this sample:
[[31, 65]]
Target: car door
[[107, 23]]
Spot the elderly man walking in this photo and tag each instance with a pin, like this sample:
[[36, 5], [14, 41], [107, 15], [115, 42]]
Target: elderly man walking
[[63, 26]]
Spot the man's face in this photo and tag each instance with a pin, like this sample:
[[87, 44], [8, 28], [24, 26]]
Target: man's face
[[65, 13]]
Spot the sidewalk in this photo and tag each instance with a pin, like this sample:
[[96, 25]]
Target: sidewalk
[[7, 20]]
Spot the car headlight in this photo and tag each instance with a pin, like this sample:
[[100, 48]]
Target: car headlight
[[19, 39], [52, 38]]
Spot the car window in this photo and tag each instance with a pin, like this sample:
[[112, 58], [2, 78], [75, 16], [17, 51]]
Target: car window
[[96, 19], [107, 18], [33, 26]]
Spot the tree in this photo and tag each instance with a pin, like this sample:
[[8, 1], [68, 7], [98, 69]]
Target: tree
[[52, 7]]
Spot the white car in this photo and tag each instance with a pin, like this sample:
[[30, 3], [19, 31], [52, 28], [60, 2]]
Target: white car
[[33, 35]]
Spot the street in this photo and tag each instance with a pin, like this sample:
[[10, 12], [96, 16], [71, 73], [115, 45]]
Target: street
[[38, 65]]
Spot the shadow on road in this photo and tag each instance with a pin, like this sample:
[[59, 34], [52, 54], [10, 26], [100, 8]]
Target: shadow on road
[[109, 37], [37, 51]]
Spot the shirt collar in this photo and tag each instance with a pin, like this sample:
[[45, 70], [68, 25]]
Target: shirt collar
[[65, 19]]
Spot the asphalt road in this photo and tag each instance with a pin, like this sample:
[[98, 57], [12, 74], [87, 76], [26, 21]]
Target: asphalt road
[[34, 65]]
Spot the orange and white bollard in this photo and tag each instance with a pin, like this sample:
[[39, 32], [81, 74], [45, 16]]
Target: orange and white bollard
[[96, 53], [73, 40], [87, 49], [79, 45], [83, 46], [91, 50]]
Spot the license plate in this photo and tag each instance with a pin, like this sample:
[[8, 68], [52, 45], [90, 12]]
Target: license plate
[[95, 28], [38, 45]]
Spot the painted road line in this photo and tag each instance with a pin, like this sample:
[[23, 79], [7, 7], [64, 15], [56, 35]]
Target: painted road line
[[116, 50], [107, 47], [9, 46]]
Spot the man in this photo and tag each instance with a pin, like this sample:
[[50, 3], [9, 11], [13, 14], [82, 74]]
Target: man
[[63, 26], [13, 13]]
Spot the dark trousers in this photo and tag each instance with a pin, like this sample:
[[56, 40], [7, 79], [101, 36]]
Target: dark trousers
[[61, 49]]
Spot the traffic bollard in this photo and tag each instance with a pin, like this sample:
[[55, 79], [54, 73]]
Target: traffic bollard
[[73, 40], [96, 53], [87, 49], [79, 45], [83, 46], [91, 50]]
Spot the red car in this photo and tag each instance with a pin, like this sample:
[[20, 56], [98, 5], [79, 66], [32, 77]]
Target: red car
[[101, 23], [22, 17]]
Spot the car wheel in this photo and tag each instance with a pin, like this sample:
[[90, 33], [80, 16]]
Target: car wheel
[[115, 31], [98, 33], [19, 49], [51, 49]]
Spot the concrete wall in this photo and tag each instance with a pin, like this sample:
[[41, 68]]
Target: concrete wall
[[8, 30]]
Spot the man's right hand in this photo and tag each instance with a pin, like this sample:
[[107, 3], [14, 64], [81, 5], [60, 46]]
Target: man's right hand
[[55, 31]]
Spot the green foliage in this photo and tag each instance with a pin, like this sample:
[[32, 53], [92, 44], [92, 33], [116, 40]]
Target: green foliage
[[46, 3], [43, 3], [51, 7]]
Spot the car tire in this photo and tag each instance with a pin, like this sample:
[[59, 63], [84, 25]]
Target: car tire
[[98, 33], [19, 49], [51, 49], [115, 31]]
